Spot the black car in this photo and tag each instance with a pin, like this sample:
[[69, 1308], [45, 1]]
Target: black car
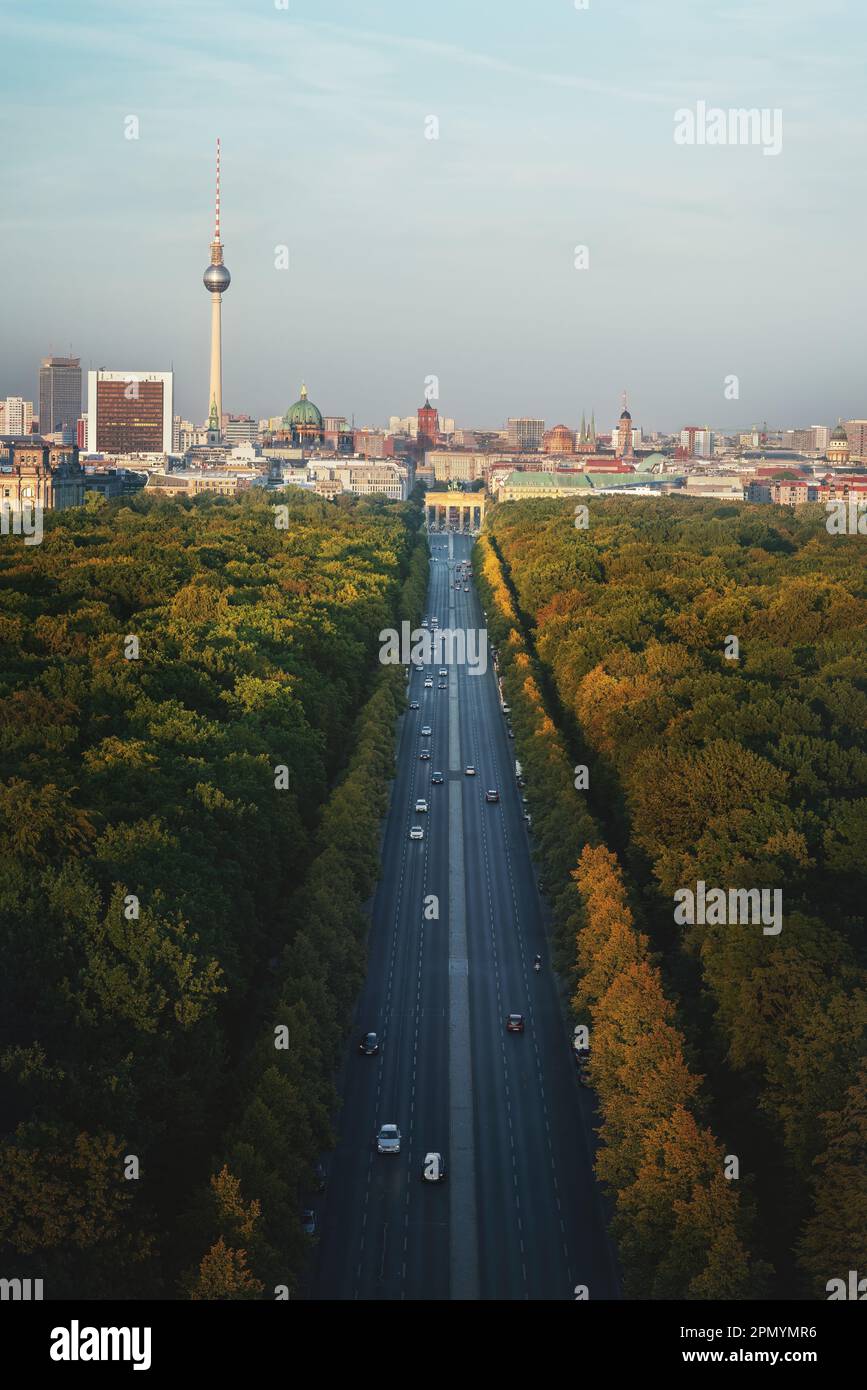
[[369, 1045], [436, 779]]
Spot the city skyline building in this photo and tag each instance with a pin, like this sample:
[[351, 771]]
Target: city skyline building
[[623, 433], [839, 449], [856, 433], [697, 441], [59, 395], [525, 432], [240, 429], [216, 280], [16, 415], [428, 424], [129, 412]]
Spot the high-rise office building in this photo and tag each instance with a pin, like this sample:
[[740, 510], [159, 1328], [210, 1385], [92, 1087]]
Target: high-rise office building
[[59, 395], [697, 441], [525, 432], [240, 429], [856, 432], [129, 412]]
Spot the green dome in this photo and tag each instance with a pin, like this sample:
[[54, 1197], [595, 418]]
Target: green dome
[[839, 434], [303, 412]]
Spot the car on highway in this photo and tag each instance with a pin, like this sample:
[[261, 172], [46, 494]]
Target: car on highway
[[417, 666], [424, 755], [428, 682], [426, 730], [469, 770], [436, 778], [308, 1222], [510, 732], [433, 1168], [528, 818], [414, 704], [369, 1045], [443, 685], [443, 672], [421, 804], [514, 1023], [492, 795], [388, 1139], [582, 1062], [425, 623], [416, 832], [466, 588]]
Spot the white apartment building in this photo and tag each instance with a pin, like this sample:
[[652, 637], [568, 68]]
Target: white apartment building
[[16, 415]]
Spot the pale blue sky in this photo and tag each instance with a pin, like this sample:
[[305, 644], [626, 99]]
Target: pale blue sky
[[453, 257]]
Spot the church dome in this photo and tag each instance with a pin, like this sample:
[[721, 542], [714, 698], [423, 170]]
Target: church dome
[[303, 412], [559, 440], [839, 435]]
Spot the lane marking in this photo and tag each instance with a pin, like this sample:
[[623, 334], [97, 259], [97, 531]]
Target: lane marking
[[463, 1221]]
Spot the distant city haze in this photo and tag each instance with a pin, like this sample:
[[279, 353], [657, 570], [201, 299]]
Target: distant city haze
[[454, 257]]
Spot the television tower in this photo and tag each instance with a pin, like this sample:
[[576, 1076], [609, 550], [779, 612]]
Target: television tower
[[216, 279]]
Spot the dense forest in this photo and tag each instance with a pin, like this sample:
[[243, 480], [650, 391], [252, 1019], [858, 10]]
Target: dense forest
[[197, 741], [740, 764]]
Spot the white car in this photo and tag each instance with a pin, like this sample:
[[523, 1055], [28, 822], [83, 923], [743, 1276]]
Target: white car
[[428, 682], [469, 771], [421, 804], [426, 730], [388, 1140], [416, 833]]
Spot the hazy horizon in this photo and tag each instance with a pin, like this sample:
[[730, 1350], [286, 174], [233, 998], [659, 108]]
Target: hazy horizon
[[412, 257]]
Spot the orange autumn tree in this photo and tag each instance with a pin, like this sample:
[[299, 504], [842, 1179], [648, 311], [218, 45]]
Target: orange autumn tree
[[678, 1219], [223, 1275]]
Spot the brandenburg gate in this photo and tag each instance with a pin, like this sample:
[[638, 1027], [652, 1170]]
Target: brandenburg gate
[[456, 511]]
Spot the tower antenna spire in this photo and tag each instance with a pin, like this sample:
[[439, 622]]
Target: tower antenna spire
[[217, 202]]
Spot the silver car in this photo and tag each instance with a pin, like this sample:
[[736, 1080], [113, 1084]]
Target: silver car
[[388, 1140]]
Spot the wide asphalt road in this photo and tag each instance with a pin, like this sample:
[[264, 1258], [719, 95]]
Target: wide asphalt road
[[456, 924]]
